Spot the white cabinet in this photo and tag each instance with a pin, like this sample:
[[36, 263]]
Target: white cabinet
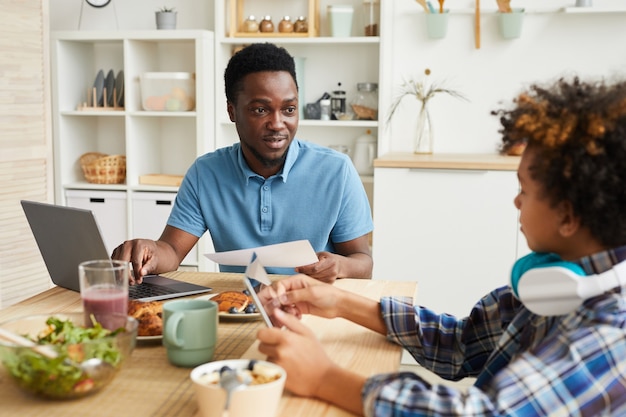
[[154, 142], [454, 231], [150, 211], [321, 62]]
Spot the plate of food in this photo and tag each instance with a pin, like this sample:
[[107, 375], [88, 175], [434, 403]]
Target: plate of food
[[149, 314], [236, 305]]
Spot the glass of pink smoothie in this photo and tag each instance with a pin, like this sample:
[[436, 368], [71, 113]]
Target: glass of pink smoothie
[[104, 290]]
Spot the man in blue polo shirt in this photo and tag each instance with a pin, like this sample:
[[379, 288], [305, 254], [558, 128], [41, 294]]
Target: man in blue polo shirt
[[268, 188]]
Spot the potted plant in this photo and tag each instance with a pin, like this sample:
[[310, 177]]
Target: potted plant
[[166, 18]]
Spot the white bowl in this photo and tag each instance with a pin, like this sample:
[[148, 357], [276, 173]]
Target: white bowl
[[260, 400]]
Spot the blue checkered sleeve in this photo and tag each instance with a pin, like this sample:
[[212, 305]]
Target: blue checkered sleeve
[[526, 365]]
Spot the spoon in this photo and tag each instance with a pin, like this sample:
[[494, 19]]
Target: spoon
[[424, 5], [504, 6], [94, 368], [231, 382]]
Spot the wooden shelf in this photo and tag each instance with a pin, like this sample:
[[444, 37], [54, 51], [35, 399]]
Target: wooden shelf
[[235, 11], [328, 123], [315, 40], [590, 10], [541, 10], [270, 35]]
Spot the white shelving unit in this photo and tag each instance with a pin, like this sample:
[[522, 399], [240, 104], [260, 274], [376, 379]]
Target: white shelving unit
[[153, 142]]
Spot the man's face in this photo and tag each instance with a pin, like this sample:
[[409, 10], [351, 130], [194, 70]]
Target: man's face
[[266, 117]]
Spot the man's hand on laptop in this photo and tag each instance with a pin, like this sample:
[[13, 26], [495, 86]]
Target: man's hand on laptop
[[142, 254]]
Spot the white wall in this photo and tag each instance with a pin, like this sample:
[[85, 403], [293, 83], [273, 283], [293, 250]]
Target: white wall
[[128, 14], [552, 44]]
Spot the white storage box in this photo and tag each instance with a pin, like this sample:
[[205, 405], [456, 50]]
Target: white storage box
[[150, 214], [109, 209], [168, 91]]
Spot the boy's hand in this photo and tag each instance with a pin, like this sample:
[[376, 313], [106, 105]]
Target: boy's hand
[[298, 351], [301, 294]]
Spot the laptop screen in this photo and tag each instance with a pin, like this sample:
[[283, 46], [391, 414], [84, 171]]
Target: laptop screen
[[66, 236]]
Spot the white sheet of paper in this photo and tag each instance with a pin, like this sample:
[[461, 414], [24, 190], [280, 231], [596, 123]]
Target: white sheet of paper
[[256, 271], [280, 255]]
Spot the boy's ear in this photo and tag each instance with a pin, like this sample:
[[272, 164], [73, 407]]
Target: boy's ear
[[570, 223]]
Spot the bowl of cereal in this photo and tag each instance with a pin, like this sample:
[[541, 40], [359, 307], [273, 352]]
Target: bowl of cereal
[[257, 391], [59, 356]]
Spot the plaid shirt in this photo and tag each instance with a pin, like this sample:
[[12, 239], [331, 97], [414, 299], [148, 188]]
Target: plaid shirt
[[525, 364]]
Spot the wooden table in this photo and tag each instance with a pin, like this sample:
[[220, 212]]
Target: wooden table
[[149, 386]]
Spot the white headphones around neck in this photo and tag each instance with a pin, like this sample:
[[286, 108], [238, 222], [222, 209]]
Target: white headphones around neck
[[549, 286]]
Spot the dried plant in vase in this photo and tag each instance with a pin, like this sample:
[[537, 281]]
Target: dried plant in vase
[[423, 91]]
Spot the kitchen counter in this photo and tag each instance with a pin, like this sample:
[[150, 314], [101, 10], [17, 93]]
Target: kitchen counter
[[491, 161]]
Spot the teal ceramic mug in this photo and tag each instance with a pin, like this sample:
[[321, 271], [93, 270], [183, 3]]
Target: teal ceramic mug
[[190, 331]]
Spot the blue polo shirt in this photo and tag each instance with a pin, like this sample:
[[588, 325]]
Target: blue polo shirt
[[318, 196]]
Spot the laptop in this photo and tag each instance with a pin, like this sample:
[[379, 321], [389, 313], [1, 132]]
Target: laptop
[[67, 236]]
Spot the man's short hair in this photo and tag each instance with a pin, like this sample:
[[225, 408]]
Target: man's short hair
[[254, 58]]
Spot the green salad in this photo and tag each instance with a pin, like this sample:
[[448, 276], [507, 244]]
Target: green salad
[[62, 376]]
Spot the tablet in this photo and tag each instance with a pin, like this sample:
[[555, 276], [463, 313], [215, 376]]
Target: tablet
[[259, 306]]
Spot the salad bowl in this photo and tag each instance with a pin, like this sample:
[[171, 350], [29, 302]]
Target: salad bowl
[[67, 358]]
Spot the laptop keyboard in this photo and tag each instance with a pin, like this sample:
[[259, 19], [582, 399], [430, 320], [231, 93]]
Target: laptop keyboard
[[145, 290]]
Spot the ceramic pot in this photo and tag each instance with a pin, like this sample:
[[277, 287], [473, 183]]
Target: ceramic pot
[[166, 20]]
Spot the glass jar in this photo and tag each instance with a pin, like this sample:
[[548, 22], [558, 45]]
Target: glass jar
[[301, 25], [285, 25], [250, 25], [266, 25], [371, 17], [365, 104]]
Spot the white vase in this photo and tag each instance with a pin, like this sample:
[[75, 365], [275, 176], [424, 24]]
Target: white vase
[[166, 20], [423, 132]]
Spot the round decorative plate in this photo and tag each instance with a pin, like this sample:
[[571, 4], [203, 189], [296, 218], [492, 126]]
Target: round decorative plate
[[119, 87], [98, 84], [110, 86]]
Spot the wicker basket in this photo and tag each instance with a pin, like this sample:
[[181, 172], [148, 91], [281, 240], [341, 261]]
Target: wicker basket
[[100, 168]]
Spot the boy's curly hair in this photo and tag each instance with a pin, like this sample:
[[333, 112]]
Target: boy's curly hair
[[256, 57], [578, 130]]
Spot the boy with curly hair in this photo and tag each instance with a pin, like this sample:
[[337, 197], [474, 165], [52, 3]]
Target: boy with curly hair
[[572, 205]]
